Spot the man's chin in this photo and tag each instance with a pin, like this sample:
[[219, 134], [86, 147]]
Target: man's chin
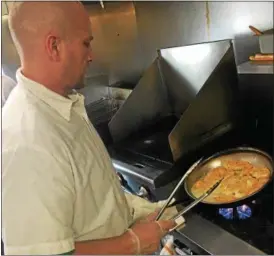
[[80, 84]]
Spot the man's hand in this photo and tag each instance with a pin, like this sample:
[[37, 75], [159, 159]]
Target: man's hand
[[152, 216], [150, 232]]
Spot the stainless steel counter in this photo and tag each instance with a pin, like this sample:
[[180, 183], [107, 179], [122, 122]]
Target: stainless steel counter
[[204, 237], [255, 68]]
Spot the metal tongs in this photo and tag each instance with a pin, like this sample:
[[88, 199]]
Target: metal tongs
[[178, 217], [176, 189]]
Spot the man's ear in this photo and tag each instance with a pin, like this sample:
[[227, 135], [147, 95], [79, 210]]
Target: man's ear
[[53, 47]]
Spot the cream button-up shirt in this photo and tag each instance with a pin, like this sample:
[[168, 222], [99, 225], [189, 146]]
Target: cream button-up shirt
[[58, 182]]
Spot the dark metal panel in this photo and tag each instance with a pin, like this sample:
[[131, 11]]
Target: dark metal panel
[[147, 102]]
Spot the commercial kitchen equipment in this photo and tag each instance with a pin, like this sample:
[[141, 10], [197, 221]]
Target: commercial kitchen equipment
[[186, 106]]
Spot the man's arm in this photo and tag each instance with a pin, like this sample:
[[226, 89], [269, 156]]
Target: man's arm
[[38, 199], [120, 245], [144, 239]]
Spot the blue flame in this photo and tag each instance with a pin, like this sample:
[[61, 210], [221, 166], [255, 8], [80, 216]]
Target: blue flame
[[227, 213], [243, 212]]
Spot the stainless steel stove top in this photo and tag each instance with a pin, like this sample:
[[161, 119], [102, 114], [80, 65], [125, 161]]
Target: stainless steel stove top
[[143, 156]]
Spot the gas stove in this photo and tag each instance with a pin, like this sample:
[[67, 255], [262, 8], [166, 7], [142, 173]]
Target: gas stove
[[151, 168], [150, 143], [252, 221]]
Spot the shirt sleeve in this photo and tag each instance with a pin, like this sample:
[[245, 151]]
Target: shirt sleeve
[[37, 202]]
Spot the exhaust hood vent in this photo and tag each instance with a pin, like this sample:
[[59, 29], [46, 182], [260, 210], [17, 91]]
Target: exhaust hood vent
[[197, 83]]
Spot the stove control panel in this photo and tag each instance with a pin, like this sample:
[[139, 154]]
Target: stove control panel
[[131, 186], [181, 249], [143, 192]]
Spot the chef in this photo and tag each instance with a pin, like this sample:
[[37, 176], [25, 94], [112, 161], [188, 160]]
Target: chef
[[60, 193]]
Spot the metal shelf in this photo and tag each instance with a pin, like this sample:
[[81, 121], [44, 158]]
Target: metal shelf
[[255, 68]]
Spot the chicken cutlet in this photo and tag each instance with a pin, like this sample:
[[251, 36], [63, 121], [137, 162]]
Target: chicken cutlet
[[241, 179]]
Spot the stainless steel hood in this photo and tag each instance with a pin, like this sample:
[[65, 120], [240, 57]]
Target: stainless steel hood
[[146, 103], [186, 69], [197, 83], [203, 88]]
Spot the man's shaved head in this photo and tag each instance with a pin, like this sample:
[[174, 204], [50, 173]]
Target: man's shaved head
[[44, 32], [30, 22]]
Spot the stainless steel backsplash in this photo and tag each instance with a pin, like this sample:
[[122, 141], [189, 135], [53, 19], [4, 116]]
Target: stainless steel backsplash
[[127, 35]]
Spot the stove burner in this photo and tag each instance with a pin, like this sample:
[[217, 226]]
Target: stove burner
[[241, 212], [244, 212], [227, 213]]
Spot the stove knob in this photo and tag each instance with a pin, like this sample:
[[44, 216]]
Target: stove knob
[[143, 192]]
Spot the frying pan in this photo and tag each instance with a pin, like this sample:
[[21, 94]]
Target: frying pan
[[255, 156]]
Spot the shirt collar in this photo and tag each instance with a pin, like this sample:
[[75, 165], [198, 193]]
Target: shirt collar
[[61, 104]]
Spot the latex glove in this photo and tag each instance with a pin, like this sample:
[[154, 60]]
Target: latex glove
[[168, 248]]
